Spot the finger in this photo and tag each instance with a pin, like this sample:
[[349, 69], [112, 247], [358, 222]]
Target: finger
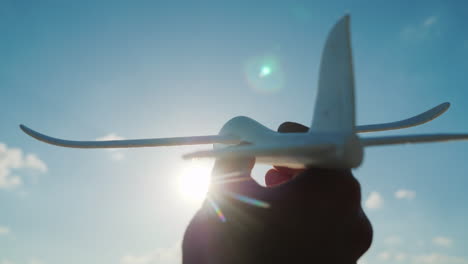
[[335, 188], [286, 170], [338, 184], [292, 127], [224, 168], [275, 177], [234, 174], [279, 174]]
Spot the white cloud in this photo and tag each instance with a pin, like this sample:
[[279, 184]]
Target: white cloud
[[442, 241], [430, 21], [393, 241], [14, 159], [421, 30], [400, 256], [110, 136], [362, 261], [405, 194], [115, 154], [129, 259], [392, 256], [435, 258], [33, 162], [429, 258], [4, 230], [374, 201], [31, 261], [35, 261], [384, 255], [170, 255]]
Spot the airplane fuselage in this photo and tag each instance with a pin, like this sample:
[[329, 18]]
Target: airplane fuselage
[[343, 151], [297, 150]]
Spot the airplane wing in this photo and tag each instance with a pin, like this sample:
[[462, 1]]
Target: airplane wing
[[420, 119], [392, 140], [223, 139], [255, 150], [132, 143], [417, 120]]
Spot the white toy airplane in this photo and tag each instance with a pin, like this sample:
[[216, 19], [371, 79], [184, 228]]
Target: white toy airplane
[[331, 142]]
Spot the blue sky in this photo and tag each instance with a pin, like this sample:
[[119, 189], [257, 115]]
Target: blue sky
[[91, 69]]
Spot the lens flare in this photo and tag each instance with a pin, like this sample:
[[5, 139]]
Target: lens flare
[[264, 74], [265, 71], [249, 200], [218, 211]]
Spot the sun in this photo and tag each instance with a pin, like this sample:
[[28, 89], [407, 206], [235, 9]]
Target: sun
[[194, 180]]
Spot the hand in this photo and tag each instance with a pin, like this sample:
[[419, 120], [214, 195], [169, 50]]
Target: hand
[[305, 216]]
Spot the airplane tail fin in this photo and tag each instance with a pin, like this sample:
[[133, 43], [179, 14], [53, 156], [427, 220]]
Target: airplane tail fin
[[334, 107]]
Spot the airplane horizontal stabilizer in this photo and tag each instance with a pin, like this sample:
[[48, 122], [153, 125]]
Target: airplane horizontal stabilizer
[[132, 143], [420, 119], [255, 151], [392, 140]]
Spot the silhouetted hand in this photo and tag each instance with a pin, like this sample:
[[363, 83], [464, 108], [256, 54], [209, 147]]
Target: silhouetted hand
[[304, 216]]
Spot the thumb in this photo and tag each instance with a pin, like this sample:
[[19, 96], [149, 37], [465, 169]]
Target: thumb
[[226, 168], [233, 189], [233, 176]]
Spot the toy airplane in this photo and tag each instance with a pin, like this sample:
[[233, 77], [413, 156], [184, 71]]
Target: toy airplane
[[331, 142]]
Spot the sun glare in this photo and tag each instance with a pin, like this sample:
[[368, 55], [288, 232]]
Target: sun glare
[[194, 180]]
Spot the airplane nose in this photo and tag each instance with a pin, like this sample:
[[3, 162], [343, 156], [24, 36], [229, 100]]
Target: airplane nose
[[247, 129]]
